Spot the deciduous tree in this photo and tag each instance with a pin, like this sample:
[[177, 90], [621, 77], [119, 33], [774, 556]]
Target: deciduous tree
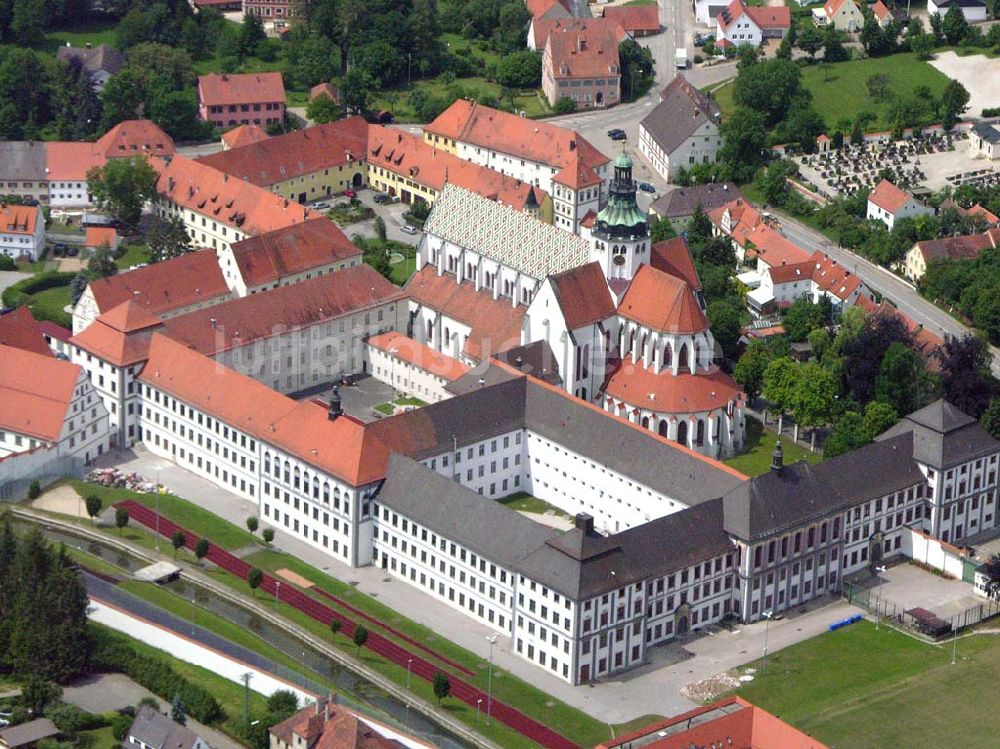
[[122, 186]]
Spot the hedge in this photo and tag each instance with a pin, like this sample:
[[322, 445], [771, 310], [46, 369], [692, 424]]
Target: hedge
[[114, 655], [18, 294]]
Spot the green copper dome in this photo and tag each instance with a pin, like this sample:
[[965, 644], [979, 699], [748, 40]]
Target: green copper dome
[[618, 212], [623, 161]]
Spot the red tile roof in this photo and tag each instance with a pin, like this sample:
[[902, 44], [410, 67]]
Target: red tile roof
[[259, 316], [162, 287], [832, 6], [582, 54], [662, 302], [889, 197], [832, 277], [19, 329], [294, 154], [641, 19], [420, 355], [410, 157], [927, 342], [495, 323], [335, 728], [542, 28], [773, 248], [541, 7], [576, 174], [673, 256], [299, 248], [98, 236], [244, 135], [880, 10], [240, 88], [72, 160], [230, 200], [763, 17], [669, 393], [35, 392], [19, 219], [583, 296], [324, 89], [533, 140], [120, 336], [965, 247]]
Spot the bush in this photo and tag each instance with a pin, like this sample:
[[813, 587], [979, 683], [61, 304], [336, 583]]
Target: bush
[[120, 725], [35, 490], [114, 655], [7, 263], [991, 112], [71, 720], [564, 105], [18, 294]]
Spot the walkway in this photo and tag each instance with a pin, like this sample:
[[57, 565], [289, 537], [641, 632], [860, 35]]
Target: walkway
[[377, 643]]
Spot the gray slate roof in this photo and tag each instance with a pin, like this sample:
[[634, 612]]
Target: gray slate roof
[[943, 436], [154, 729], [987, 132], [22, 160], [681, 111], [28, 733], [101, 57], [683, 201], [801, 492]]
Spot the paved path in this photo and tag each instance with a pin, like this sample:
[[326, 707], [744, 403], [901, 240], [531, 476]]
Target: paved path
[[892, 287]]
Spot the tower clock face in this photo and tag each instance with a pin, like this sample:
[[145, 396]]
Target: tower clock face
[[619, 260]]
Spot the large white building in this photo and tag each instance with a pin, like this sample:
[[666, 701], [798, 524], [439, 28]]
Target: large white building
[[681, 131]]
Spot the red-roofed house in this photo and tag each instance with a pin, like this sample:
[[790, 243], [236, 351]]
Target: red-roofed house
[[22, 231], [817, 277], [742, 24], [541, 28], [843, 15], [887, 203], [637, 20], [731, 723], [19, 329], [882, 13], [328, 725], [273, 13], [583, 66], [548, 8], [100, 236], [966, 247], [411, 367], [243, 135], [48, 401], [230, 99], [325, 89]]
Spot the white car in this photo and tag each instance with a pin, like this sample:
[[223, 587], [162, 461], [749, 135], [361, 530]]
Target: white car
[[407, 229]]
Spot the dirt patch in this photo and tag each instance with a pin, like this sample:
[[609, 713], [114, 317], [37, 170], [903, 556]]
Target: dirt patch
[[714, 687], [979, 74], [64, 500], [70, 264], [294, 577]]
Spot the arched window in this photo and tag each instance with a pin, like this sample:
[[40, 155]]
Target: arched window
[[267, 462], [631, 342], [315, 488], [664, 428], [288, 472], [682, 433], [430, 330], [645, 340], [326, 492], [668, 355], [645, 422], [298, 477], [699, 438], [682, 363]]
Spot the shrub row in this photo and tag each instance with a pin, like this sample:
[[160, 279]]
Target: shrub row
[[17, 294]]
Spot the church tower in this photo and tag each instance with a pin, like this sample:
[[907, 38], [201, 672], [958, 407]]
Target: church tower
[[621, 231]]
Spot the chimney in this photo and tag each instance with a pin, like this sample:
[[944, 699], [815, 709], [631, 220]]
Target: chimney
[[336, 409], [580, 44], [777, 459], [585, 523], [519, 361], [212, 320]]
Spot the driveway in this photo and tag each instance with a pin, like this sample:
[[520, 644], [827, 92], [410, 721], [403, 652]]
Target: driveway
[[106, 692]]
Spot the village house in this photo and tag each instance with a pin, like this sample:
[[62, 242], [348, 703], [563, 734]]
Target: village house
[[967, 247], [681, 131], [888, 204], [230, 99], [743, 24], [583, 66], [22, 231]]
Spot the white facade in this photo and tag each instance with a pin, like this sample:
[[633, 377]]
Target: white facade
[[14, 243], [118, 390], [741, 31], [406, 377], [701, 147], [973, 13], [69, 194], [910, 209], [238, 284], [205, 231]]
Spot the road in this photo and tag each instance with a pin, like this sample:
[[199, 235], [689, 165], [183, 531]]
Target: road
[[891, 286]]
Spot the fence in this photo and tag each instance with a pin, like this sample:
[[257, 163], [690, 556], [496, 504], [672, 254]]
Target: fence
[[917, 619], [17, 472]]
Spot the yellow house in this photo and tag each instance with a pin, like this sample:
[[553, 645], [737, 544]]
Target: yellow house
[[843, 15]]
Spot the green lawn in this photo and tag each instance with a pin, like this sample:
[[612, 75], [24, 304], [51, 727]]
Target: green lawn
[[93, 31], [135, 254], [50, 305], [387, 408], [221, 532], [756, 458], [844, 94], [401, 270], [527, 503], [863, 688]]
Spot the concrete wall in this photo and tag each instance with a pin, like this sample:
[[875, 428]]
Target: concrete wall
[[937, 554]]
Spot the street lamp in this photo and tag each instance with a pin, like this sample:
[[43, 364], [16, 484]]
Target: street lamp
[[409, 662], [954, 643], [479, 704], [878, 598], [277, 591], [768, 615], [492, 639], [157, 509]]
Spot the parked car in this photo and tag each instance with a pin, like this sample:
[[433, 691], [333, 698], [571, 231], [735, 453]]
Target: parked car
[[321, 206], [72, 251], [350, 194], [381, 197], [646, 187], [617, 134], [407, 229]]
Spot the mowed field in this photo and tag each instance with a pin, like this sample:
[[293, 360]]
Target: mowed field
[[841, 92], [866, 689]]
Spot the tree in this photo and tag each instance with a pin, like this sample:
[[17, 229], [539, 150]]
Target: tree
[[872, 38], [900, 377], [442, 686], [564, 105], [990, 419], [356, 90], [282, 702], [802, 318], [335, 625], [102, 262], [878, 86], [991, 569], [122, 186], [744, 139], [178, 540], [268, 535], [37, 692], [254, 578], [520, 70], [177, 113], [810, 41], [27, 26], [167, 238], [878, 417], [380, 230], [780, 384], [34, 490], [152, 61], [252, 523], [814, 398], [201, 549], [966, 382], [833, 47], [121, 519], [954, 98], [750, 369], [661, 229], [747, 55], [77, 286], [847, 434], [94, 506], [954, 26], [726, 320], [252, 36], [360, 637], [771, 88], [514, 20], [123, 98], [922, 45], [323, 110], [177, 714]]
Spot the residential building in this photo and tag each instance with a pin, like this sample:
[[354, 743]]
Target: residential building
[[582, 66], [984, 140], [843, 15], [977, 213], [549, 9], [966, 247], [46, 401], [230, 99], [679, 204], [100, 62], [22, 231], [28, 735], [152, 729], [882, 14], [541, 28], [100, 236], [303, 165], [637, 20], [559, 161], [706, 11], [412, 368], [243, 135], [778, 286], [681, 131], [276, 13], [973, 10], [328, 724], [22, 170], [742, 24], [173, 287], [327, 90], [19, 329], [888, 204], [729, 722]]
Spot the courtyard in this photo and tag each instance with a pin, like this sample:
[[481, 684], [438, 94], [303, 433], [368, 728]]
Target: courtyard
[[907, 586]]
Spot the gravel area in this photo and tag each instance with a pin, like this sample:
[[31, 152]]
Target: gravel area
[[979, 74]]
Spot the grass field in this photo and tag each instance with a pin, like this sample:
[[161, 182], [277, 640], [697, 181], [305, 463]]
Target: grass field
[[527, 503], [50, 305], [868, 689], [844, 94], [387, 408], [91, 31], [759, 448], [135, 254]]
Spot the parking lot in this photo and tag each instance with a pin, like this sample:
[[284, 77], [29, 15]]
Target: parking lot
[[907, 586]]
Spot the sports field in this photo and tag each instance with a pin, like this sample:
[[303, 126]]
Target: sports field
[[863, 688]]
